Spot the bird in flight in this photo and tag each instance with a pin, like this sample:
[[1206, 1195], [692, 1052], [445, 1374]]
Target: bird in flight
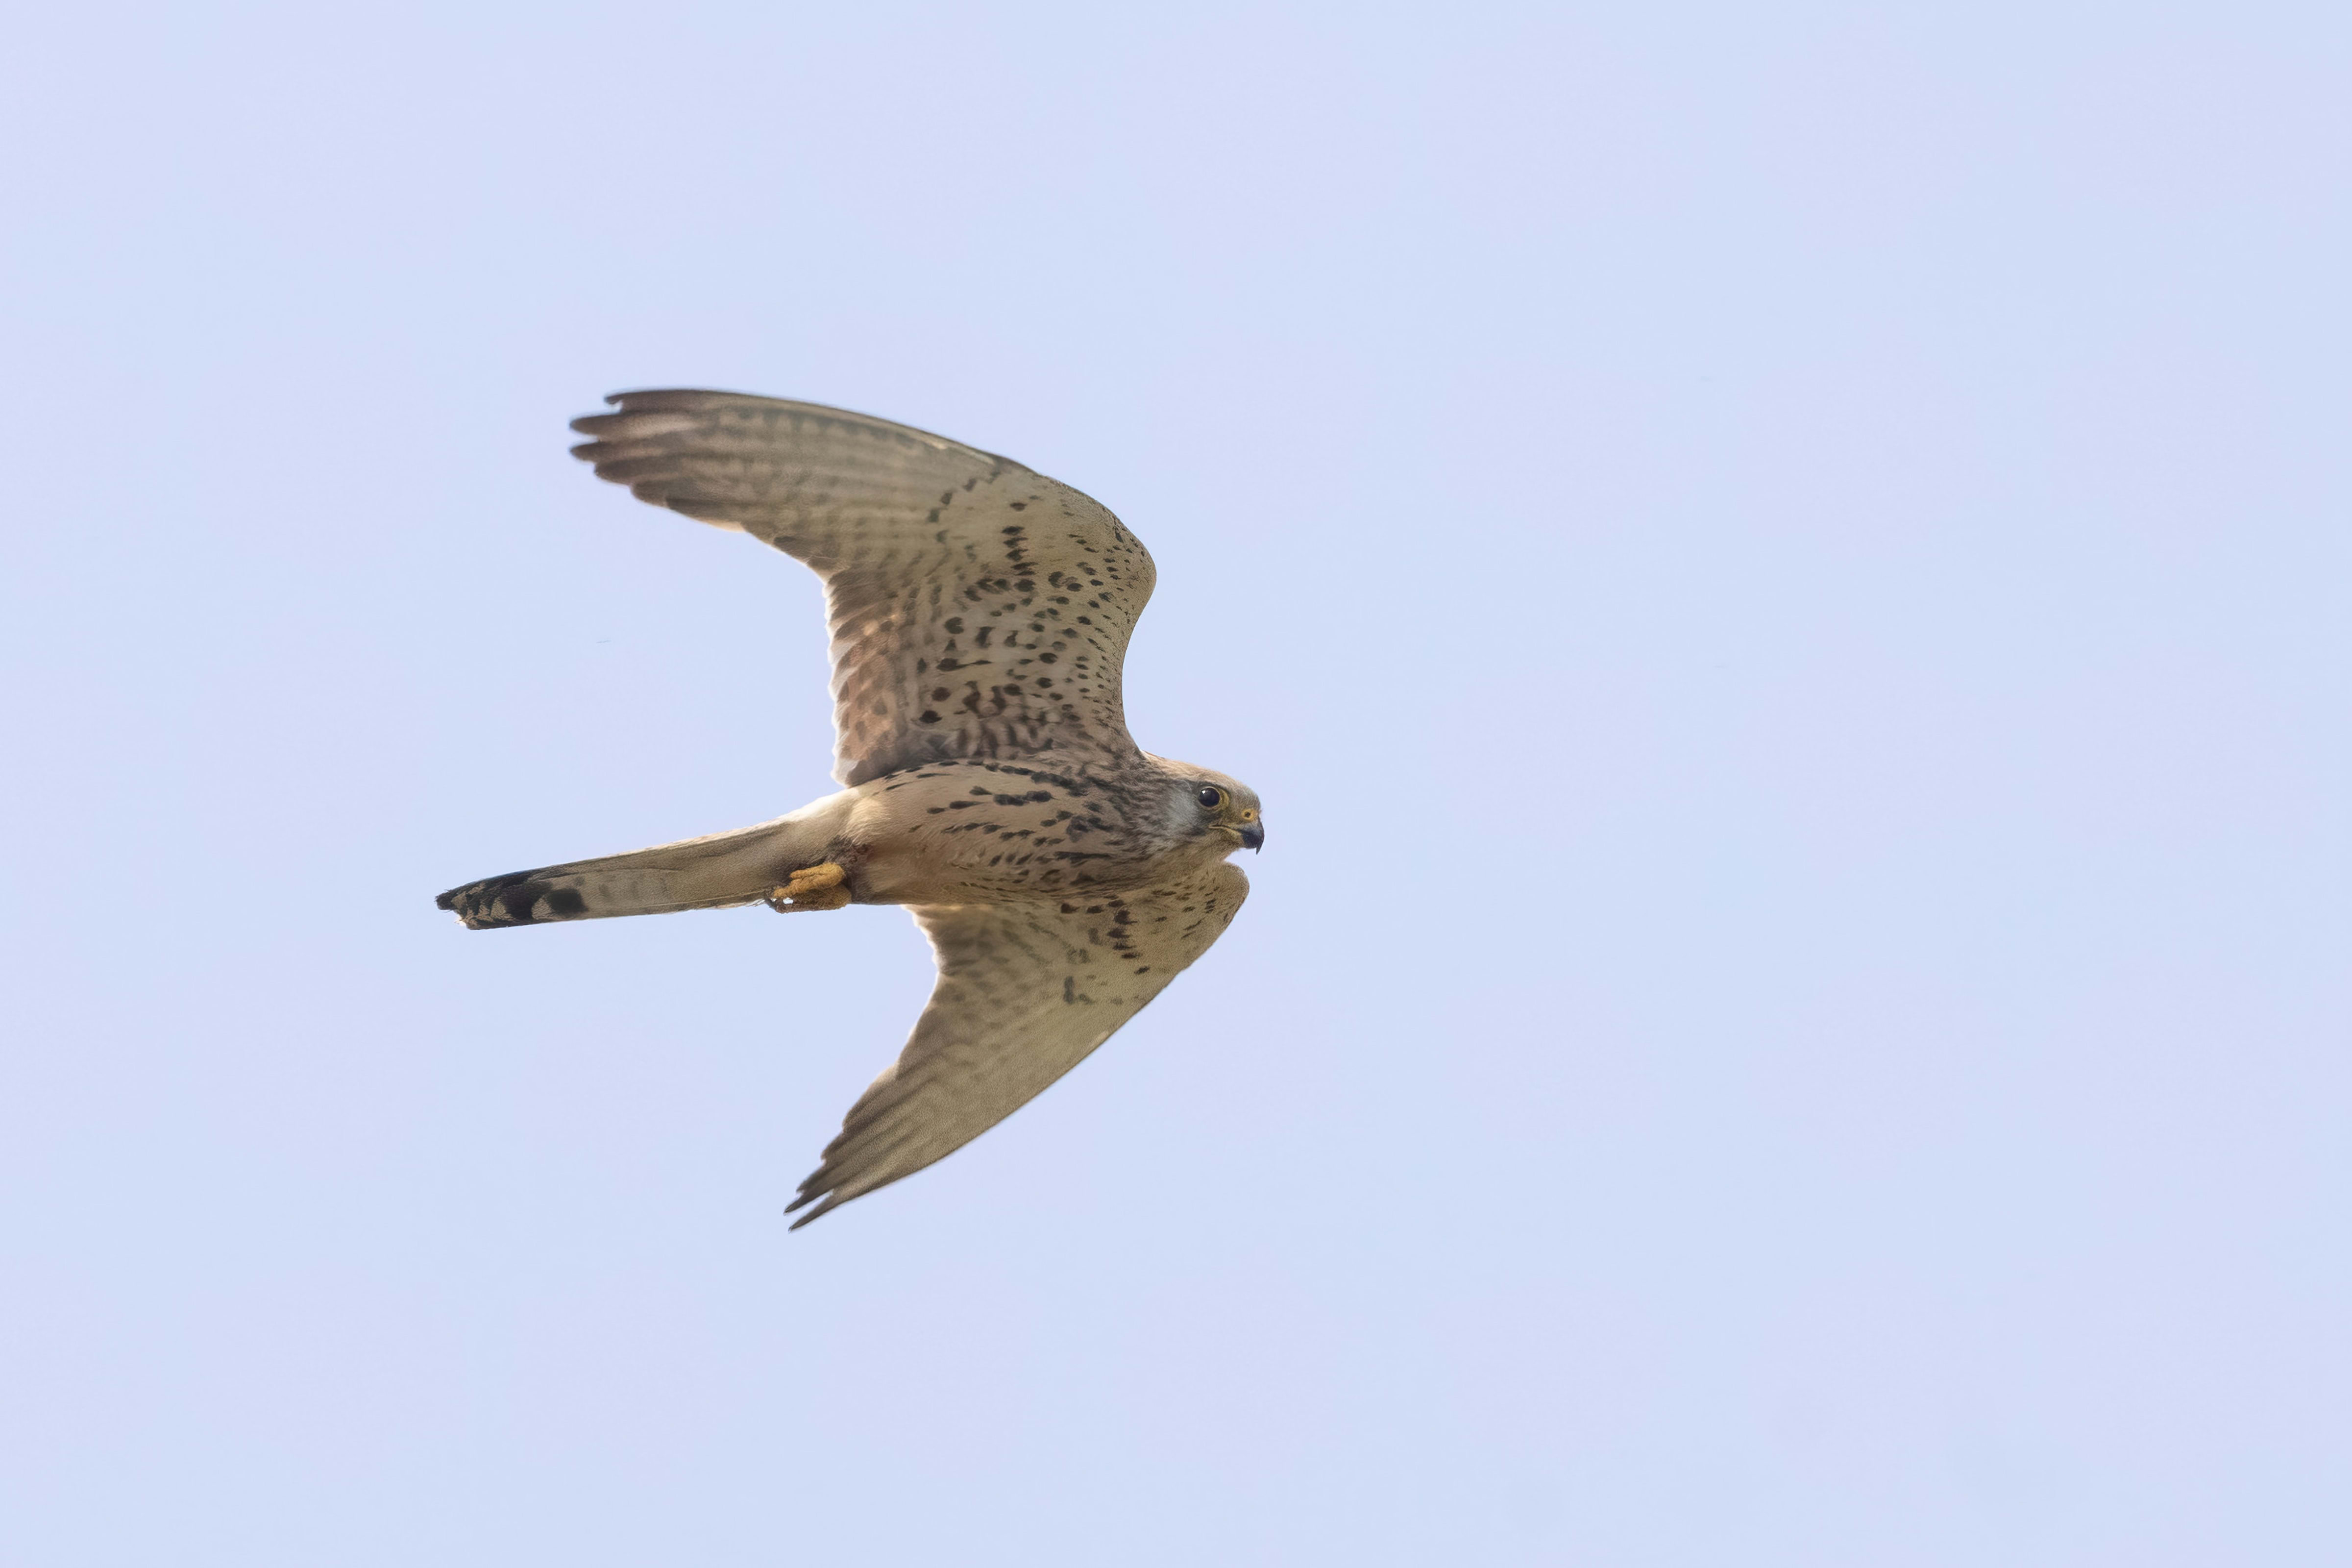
[[980, 614]]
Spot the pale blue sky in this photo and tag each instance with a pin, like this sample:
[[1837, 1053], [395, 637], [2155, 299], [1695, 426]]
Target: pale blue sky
[[1782, 572]]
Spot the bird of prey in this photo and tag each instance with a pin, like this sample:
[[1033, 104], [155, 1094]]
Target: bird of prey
[[981, 613]]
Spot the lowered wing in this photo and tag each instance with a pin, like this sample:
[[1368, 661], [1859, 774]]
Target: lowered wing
[[1024, 993]]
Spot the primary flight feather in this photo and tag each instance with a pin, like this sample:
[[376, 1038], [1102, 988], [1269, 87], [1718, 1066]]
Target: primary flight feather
[[980, 614]]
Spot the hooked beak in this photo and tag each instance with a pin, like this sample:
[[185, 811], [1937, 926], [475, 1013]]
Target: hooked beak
[[1254, 836]]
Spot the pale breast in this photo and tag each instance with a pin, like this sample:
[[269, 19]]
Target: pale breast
[[994, 832]]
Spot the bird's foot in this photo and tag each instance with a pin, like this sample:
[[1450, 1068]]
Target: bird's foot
[[822, 887]]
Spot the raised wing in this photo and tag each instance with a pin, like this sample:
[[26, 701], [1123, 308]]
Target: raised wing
[[1024, 994], [978, 609]]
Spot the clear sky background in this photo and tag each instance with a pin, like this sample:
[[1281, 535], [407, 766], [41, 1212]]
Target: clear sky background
[[1783, 570]]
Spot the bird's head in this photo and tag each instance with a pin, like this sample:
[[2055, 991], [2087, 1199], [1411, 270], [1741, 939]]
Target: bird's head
[[1204, 805]]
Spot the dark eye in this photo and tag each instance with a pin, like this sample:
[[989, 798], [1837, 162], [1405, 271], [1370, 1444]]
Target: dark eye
[[1210, 797]]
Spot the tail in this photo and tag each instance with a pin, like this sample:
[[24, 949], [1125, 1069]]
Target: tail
[[711, 873]]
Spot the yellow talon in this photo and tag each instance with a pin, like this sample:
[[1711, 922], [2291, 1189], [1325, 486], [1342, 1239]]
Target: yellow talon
[[812, 887]]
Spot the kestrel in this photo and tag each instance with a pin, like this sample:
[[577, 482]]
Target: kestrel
[[981, 613]]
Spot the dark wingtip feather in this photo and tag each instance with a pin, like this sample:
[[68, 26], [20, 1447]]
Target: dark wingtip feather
[[666, 399], [681, 399], [816, 1190], [813, 1215]]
